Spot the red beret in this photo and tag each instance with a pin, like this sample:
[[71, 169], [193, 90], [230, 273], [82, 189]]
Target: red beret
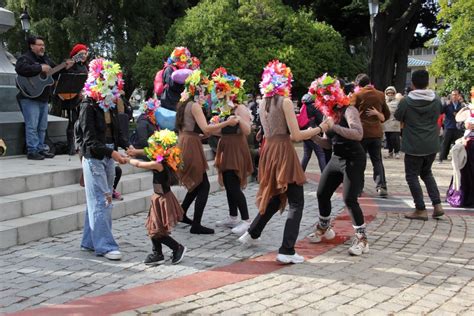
[[77, 48]]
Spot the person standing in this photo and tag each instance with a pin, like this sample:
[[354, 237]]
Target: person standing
[[98, 135], [419, 112], [452, 129], [392, 126], [280, 174], [373, 111], [35, 110]]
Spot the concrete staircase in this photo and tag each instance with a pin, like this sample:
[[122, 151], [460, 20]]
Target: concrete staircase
[[40, 199]]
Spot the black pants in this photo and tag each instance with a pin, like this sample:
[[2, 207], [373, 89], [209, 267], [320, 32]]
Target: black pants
[[393, 142], [72, 116], [235, 197], [420, 166], [351, 174], [118, 175], [449, 137], [374, 147], [165, 240], [200, 194], [295, 196]]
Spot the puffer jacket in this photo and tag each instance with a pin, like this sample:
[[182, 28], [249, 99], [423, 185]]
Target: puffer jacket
[[391, 125]]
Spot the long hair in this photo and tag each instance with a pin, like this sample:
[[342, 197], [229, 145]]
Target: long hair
[[180, 114], [270, 101]]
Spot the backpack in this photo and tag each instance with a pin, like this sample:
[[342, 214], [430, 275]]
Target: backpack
[[302, 118], [159, 85]]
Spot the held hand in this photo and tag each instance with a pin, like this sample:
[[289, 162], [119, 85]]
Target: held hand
[[69, 63], [118, 157], [45, 68], [372, 112], [329, 123]]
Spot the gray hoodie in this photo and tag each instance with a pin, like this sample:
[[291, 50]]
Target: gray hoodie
[[419, 112]]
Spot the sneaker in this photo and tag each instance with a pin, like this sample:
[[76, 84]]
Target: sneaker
[[382, 192], [359, 245], [241, 228], [397, 156], [320, 233], [438, 211], [113, 255], [154, 259], [296, 258], [116, 195], [178, 255], [35, 156], [418, 214], [247, 240], [230, 222], [46, 154]]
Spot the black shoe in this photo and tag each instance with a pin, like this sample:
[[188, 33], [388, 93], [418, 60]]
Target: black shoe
[[46, 154], [35, 156], [201, 230], [154, 259], [186, 220], [178, 254]]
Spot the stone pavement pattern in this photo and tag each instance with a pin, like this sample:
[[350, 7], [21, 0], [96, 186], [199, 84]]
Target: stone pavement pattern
[[413, 267]]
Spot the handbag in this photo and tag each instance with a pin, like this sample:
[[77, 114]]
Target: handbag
[[165, 118], [302, 118]]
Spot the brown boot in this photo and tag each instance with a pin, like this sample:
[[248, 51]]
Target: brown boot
[[438, 211], [418, 214]]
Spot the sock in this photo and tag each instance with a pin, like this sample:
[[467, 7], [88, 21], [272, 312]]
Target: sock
[[360, 230], [324, 221]]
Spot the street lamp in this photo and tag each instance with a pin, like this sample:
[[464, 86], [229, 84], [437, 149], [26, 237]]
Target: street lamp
[[25, 21], [373, 11]]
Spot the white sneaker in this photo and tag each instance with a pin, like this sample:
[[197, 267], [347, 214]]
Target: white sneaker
[[296, 258], [359, 245], [241, 228], [113, 255], [320, 233], [397, 156], [247, 240], [230, 222]]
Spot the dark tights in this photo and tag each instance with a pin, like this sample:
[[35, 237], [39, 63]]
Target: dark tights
[[165, 240], [118, 175], [235, 196], [200, 194]]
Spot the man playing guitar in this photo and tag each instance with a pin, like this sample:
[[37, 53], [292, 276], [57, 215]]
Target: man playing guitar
[[35, 110]]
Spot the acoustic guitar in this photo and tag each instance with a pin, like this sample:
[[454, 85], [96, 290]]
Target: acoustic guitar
[[33, 87]]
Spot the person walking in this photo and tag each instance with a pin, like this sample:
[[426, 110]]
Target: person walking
[[419, 112], [452, 129], [392, 126], [280, 174]]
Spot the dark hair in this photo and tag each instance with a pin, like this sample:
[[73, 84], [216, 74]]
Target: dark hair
[[420, 79], [362, 80], [180, 114], [31, 40], [349, 88]]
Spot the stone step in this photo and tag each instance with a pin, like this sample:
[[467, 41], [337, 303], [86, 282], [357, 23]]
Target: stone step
[[19, 175], [34, 227], [40, 201]]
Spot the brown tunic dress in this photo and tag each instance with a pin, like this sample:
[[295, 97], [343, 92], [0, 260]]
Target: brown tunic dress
[[194, 160], [279, 164]]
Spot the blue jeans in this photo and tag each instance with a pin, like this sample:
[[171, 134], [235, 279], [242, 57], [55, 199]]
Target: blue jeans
[[308, 147], [99, 179], [35, 114]]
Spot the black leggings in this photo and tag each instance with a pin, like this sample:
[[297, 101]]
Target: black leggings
[[351, 174], [235, 196], [118, 175], [295, 196], [200, 193], [165, 240]]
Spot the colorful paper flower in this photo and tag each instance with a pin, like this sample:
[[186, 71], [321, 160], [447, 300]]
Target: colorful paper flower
[[104, 83], [276, 79], [198, 87], [148, 107], [162, 148], [181, 58], [328, 95]]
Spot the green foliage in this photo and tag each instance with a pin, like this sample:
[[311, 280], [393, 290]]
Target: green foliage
[[149, 62], [455, 57], [244, 37]]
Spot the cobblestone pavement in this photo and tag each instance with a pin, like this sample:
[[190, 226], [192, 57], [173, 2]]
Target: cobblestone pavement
[[413, 267]]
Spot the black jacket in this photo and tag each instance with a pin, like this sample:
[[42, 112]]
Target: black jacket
[[314, 115], [171, 95], [90, 131], [29, 65], [144, 130]]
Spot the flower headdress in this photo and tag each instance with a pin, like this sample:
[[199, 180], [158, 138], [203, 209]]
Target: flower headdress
[[181, 58], [198, 88], [148, 107], [276, 79], [162, 148], [104, 83], [328, 95]]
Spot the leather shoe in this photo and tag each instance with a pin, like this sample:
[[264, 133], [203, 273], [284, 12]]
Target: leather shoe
[[46, 154], [35, 156], [418, 214]]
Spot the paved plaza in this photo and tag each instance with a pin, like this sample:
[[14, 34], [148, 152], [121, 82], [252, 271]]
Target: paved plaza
[[413, 268]]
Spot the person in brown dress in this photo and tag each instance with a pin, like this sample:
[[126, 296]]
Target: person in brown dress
[[191, 123], [233, 160], [280, 173]]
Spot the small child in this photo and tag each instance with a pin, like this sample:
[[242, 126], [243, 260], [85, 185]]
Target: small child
[[165, 210]]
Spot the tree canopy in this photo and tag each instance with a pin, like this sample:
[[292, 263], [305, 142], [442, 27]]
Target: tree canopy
[[455, 57]]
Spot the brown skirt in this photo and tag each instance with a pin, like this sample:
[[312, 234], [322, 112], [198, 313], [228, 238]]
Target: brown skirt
[[233, 154], [194, 161], [278, 167], [165, 212]]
